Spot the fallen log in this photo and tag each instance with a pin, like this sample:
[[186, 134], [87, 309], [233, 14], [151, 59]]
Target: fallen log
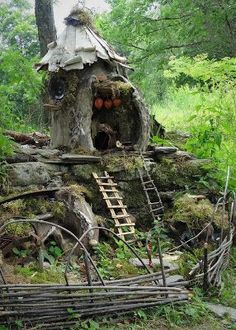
[[29, 194], [33, 138]]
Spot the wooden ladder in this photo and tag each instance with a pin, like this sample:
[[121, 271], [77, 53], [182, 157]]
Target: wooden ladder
[[123, 222], [156, 207]]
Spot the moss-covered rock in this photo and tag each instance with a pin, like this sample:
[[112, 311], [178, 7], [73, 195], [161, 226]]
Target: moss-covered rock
[[170, 174], [195, 212], [83, 173]]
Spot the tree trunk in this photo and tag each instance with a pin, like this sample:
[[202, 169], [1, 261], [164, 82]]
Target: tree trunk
[[45, 23]]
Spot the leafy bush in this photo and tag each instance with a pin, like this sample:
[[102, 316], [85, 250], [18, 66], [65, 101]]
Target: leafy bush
[[212, 114], [20, 85]]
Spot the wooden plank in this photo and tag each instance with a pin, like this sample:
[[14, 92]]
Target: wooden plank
[[147, 182], [126, 233], [125, 225], [149, 189], [101, 184], [113, 198], [107, 190], [121, 216], [117, 207]]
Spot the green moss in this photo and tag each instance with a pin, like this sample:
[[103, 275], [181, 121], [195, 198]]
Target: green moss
[[21, 229], [183, 174], [4, 178], [29, 208], [51, 275], [83, 173], [42, 205], [114, 262], [122, 162], [79, 190], [58, 209], [194, 212]]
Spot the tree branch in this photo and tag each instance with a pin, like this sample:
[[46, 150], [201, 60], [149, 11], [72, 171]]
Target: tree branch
[[171, 47], [167, 18]]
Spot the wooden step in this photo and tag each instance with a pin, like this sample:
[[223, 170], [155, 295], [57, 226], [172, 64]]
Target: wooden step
[[146, 182], [125, 225], [126, 233], [109, 190], [108, 198], [117, 206], [105, 177], [107, 184], [121, 216], [153, 203], [158, 209], [149, 189]]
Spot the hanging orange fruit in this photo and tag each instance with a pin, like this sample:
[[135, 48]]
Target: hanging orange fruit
[[108, 104], [117, 103], [98, 103]]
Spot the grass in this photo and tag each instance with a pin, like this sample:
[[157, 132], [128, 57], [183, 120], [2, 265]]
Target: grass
[[177, 108], [227, 295]]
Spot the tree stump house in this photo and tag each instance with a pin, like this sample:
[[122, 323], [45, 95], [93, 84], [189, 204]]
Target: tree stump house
[[93, 104]]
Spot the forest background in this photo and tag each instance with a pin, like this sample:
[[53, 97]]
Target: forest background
[[184, 58]]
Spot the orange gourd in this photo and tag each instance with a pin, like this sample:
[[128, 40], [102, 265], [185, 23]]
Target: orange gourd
[[108, 104], [98, 103], [117, 103]]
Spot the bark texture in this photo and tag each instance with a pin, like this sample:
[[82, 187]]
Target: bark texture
[[45, 22]]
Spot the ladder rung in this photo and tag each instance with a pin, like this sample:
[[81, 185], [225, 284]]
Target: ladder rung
[[125, 233], [121, 216], [107, 184], [158, 209], [125, 225], [118, 198], [146, 182], [117, 207], [147, 189], [108, 190], [153, 203], [105, 177]]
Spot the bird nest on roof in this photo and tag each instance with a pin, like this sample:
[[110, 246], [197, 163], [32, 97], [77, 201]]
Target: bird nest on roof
[[79, 17]]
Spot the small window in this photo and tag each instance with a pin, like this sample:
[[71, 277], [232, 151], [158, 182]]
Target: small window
[[57, 88]]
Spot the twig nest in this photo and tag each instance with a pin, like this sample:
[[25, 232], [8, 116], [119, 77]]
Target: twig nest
[[108, 104], [98, 103]]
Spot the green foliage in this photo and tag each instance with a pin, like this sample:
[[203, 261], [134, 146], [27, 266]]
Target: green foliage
[[149, 32], [20, 85], [54, 274], [18, 28], [227, 295], [54, 250], [87, 325], [21, 253], [18, 229], [195, 213], [210, 123], [114, 262]]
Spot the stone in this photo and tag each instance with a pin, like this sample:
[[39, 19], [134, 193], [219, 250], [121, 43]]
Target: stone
[[159, 151], [83, 173], [25, 174], [173, 279], [155, 261], [80, 159], [221, 311]]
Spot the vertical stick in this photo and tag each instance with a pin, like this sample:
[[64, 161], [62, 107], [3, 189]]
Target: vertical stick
[[205, 268]]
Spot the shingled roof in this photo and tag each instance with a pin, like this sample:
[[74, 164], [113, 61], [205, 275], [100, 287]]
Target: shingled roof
[[77, 46]]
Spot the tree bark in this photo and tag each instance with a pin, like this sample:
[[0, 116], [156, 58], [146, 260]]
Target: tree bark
[[45, 22]]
